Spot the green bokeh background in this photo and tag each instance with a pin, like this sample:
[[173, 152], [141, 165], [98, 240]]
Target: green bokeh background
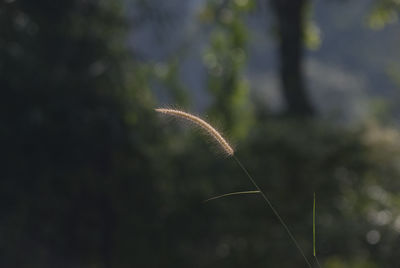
[[92, 177]]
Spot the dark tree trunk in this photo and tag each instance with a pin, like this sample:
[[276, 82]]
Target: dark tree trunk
[[290, 22]]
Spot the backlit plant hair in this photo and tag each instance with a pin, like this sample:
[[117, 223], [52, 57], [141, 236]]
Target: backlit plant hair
[[230, 152], [202, 124]]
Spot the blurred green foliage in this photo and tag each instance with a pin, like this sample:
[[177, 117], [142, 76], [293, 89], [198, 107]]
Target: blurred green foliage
[[312, 33], [225, 59], [383, 13], [91, 178]]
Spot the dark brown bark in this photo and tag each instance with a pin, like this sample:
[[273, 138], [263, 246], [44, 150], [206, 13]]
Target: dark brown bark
[[290, 23]]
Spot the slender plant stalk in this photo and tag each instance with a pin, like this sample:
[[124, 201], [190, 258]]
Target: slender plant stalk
[[229, 194], [230, 152], [273, 210]]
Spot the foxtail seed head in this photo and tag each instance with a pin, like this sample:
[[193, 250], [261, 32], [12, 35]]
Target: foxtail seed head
[[202, 124]]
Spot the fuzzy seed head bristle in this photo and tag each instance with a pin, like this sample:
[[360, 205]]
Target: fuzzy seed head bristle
[[202, 124]]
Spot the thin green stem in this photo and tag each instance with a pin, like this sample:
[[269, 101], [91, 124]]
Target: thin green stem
[[273, 210], [229, 194]]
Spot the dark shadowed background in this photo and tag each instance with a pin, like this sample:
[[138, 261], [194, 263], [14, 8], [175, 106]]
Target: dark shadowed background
[[91, 176]]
